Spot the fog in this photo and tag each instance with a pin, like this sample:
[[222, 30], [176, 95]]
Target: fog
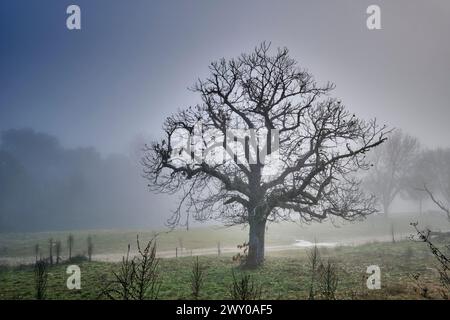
[[73, 103], [45, 186]]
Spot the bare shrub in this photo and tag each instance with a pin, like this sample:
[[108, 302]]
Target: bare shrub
[[197, 276], [120, 287], [40, 279], [244, 288], [314, 262], [137, 278], [443, 260], [329, 280], [147, 277]]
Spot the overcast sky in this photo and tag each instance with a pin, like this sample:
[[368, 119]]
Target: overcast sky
[[129, 66]]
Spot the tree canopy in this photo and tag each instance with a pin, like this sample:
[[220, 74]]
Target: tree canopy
[[312, 148]]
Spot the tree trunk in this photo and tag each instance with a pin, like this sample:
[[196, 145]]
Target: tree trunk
[[386, 208], [255, 256]]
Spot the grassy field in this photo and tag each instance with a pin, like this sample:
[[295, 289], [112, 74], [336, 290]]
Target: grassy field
[[114, 241], [284, 276]]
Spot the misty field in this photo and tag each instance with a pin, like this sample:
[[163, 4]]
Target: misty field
[[285, 275], [110, 245]]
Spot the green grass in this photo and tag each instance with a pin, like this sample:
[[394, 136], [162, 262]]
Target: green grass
[[285, 275]]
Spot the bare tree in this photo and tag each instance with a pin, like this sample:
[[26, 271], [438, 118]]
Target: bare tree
[[296, 160], [392, 165], [418, 176], [70, 242]]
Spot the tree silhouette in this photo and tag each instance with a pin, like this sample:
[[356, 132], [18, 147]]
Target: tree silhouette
[[393, 165], [303, 167]]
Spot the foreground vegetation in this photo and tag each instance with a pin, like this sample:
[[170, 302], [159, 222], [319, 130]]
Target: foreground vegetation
[[285, 275]]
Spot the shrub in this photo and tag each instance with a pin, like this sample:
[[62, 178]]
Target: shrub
[[40, 279], [137, 278], [329, 280], [442, 259], [197, 275], [244, 288], [314, 262]]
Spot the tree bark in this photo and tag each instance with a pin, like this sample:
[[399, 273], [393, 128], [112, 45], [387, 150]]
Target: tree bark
[[255, 257]]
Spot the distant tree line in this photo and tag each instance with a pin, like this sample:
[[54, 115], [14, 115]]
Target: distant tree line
[[403, 168], [44, 186]]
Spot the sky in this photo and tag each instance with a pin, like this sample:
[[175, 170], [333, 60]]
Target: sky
[[114, 81]]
